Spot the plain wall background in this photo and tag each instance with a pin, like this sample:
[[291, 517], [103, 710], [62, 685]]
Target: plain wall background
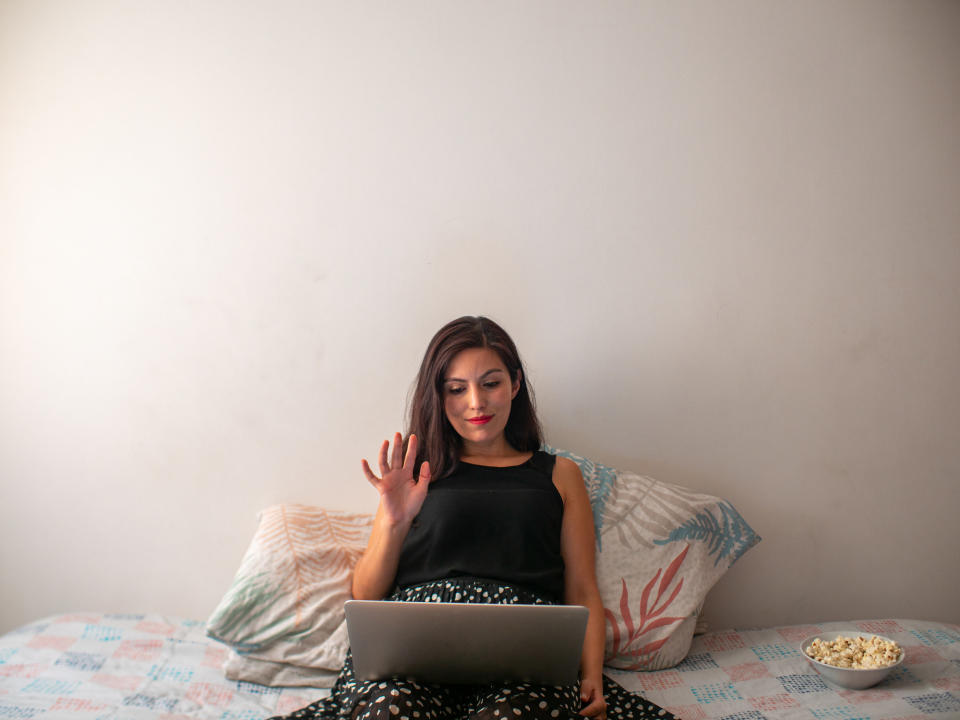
[[725, 236]]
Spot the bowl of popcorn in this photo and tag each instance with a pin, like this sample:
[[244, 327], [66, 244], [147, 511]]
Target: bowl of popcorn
[[852, 661]]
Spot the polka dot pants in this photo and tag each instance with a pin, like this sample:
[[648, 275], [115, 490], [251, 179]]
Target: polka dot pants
[[353, 699], [398, 699]]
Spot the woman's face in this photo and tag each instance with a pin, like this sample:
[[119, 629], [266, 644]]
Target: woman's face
[[477, 394]]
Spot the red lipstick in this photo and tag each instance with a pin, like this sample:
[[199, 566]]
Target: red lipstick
[[480, 420]]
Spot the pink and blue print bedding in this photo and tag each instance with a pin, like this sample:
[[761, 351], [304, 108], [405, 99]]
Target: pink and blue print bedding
[[133, 667], [128, 667], [762, 675]]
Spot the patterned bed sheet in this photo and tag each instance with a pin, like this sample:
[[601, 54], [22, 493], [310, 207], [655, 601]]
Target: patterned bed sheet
[[761, 674], [128, 667], [132, 667]]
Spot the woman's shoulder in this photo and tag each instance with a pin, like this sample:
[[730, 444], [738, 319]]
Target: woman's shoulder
[[567, 477], [560, 463], [567, 464]]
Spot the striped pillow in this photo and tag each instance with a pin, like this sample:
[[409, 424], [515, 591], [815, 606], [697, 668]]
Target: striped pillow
[[286, 601]]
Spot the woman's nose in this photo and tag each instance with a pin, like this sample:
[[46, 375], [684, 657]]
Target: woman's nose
[[475, 397]]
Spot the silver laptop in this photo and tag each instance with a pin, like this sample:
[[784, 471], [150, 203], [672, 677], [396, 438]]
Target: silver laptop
[[466, 642]]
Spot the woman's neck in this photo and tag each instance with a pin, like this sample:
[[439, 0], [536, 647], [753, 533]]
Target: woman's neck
[[499, 455]]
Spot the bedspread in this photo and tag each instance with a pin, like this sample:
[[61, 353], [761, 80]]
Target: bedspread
[[757, 674], [128, 667], [132, 667]]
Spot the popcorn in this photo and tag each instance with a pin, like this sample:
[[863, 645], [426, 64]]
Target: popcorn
[[857, 653]]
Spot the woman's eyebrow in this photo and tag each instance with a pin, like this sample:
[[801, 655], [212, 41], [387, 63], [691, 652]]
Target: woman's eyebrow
[[488, 372]]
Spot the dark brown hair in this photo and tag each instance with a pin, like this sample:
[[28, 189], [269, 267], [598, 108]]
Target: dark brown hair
[[437, 441]]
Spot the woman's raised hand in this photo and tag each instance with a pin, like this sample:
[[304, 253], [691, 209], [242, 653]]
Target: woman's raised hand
[[401, 496]]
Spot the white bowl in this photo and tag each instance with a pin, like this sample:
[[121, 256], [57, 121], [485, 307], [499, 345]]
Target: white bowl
[[850, 678]]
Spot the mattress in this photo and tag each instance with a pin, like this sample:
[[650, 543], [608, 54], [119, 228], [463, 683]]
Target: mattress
[[95, 666]]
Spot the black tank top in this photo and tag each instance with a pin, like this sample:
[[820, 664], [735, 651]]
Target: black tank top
[[498, 523]]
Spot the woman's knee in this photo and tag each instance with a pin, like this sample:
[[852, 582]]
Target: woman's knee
[[400, 700], [527, 701]]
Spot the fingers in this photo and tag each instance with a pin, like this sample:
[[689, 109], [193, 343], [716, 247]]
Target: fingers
[[384, 466], [374, 480], [596, 709], [411, 456], [397, 459], [596, 706], [423, 482]]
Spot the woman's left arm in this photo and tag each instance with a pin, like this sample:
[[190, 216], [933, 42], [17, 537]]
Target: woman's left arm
[[577, 544]]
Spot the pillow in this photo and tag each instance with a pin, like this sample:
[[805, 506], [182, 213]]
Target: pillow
[[284, 610], [264, 672], [660, 548]]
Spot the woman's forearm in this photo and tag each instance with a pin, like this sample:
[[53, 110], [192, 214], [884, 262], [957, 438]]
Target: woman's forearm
[[376, 569], [591, 660]]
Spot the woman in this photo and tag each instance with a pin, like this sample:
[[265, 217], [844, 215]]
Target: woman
[[474, 511]]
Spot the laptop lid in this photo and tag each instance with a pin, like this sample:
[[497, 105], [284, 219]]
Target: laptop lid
[[466, 642]]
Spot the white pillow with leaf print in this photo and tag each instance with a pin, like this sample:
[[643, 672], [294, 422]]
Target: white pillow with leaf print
[[284, 610], [660, 548]]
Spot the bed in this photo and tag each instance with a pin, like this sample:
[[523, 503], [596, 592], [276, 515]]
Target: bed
[[130, 667], [277, 638]]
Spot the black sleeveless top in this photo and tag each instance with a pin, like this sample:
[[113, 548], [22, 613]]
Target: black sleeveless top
[[498, 523]]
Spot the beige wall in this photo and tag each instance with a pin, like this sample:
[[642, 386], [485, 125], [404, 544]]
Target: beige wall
[[726, 237]]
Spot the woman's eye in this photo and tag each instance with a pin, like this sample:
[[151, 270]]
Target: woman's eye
[[491, 383], [455, 390]]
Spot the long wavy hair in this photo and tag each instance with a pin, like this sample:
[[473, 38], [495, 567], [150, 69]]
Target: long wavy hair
[[437, 441]]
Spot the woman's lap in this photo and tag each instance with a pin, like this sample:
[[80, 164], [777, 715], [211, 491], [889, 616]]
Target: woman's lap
[[399, 699], [353, 699]]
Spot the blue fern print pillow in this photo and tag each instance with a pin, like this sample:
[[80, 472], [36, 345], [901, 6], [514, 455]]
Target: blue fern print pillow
[[660, 548]]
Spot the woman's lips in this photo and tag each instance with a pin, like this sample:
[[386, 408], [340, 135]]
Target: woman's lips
[[482, 420]]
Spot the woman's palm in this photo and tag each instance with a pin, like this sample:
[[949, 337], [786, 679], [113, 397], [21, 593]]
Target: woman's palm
[[401, 494]]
